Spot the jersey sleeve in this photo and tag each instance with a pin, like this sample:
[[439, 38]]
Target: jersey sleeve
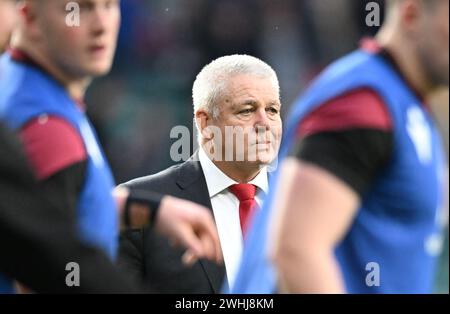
[[52, 144], [349, 136], [57, 155]]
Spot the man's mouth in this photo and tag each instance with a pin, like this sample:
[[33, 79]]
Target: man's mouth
[[263, 145], [97, 49]]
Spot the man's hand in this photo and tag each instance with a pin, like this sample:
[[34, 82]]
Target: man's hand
[[190, 225]]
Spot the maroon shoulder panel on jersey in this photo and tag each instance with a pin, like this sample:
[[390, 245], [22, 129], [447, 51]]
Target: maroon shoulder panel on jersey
[[52, 144], [358, 109]]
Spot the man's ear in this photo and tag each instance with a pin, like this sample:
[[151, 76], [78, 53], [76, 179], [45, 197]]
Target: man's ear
[[410, 14], [27, 11], [28, 15], [202, 119]]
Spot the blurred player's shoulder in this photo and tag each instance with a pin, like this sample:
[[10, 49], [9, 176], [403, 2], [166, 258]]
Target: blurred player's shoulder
[[52, 144], [358, 108]]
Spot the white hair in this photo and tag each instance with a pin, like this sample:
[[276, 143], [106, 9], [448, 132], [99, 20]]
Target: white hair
[[211, 82]]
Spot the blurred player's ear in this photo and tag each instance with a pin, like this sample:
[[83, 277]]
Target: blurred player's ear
[[406, 11], [410, 12], [28, 11]]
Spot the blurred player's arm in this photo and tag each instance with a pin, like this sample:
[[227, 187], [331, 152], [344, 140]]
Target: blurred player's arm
[[315, 214], [58, 157], [338, 155], [183, 222], [37, 241]]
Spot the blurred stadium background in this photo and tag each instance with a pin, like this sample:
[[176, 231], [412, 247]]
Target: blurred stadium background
[[165, 43]]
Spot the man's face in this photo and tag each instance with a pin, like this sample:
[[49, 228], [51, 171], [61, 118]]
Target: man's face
[[7, 21], [85, 50], [250, 107], [433, 42]]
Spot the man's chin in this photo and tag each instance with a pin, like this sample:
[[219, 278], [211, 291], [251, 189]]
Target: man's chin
[[262, 160], [97, 73], [97, 70]]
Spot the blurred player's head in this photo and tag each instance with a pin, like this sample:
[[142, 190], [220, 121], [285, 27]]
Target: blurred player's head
[[423, 27], [49, 31], [7, 21], [242, 93]]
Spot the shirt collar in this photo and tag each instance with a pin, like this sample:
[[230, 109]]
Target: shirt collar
[[217, 181]]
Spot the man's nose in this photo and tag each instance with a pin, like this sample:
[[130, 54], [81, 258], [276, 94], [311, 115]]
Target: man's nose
[[262, 121], [99, 20]]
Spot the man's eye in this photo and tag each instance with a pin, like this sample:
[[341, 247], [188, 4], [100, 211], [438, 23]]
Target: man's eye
[[112, 4], [86, 6], [273, 110], [246, 111]]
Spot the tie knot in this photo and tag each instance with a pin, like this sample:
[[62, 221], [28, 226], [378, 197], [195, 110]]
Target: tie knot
[[243, 191]]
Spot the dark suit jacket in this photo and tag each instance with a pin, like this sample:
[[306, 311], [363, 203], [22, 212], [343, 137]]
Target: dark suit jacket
[[148, 256]]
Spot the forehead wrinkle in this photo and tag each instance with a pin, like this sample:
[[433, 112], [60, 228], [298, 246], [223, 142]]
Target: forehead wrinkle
[[250, 93], [274, 103], [241, 94], [250, 102]]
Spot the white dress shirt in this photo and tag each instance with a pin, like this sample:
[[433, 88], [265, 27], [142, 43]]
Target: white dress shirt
[[225, 207]]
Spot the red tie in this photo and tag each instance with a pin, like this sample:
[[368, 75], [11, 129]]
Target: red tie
[[247, 204]]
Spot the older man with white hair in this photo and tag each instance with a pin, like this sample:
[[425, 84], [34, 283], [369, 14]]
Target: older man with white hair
[[237, 112]]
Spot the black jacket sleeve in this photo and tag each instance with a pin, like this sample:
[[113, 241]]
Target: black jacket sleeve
[[130, 257]]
